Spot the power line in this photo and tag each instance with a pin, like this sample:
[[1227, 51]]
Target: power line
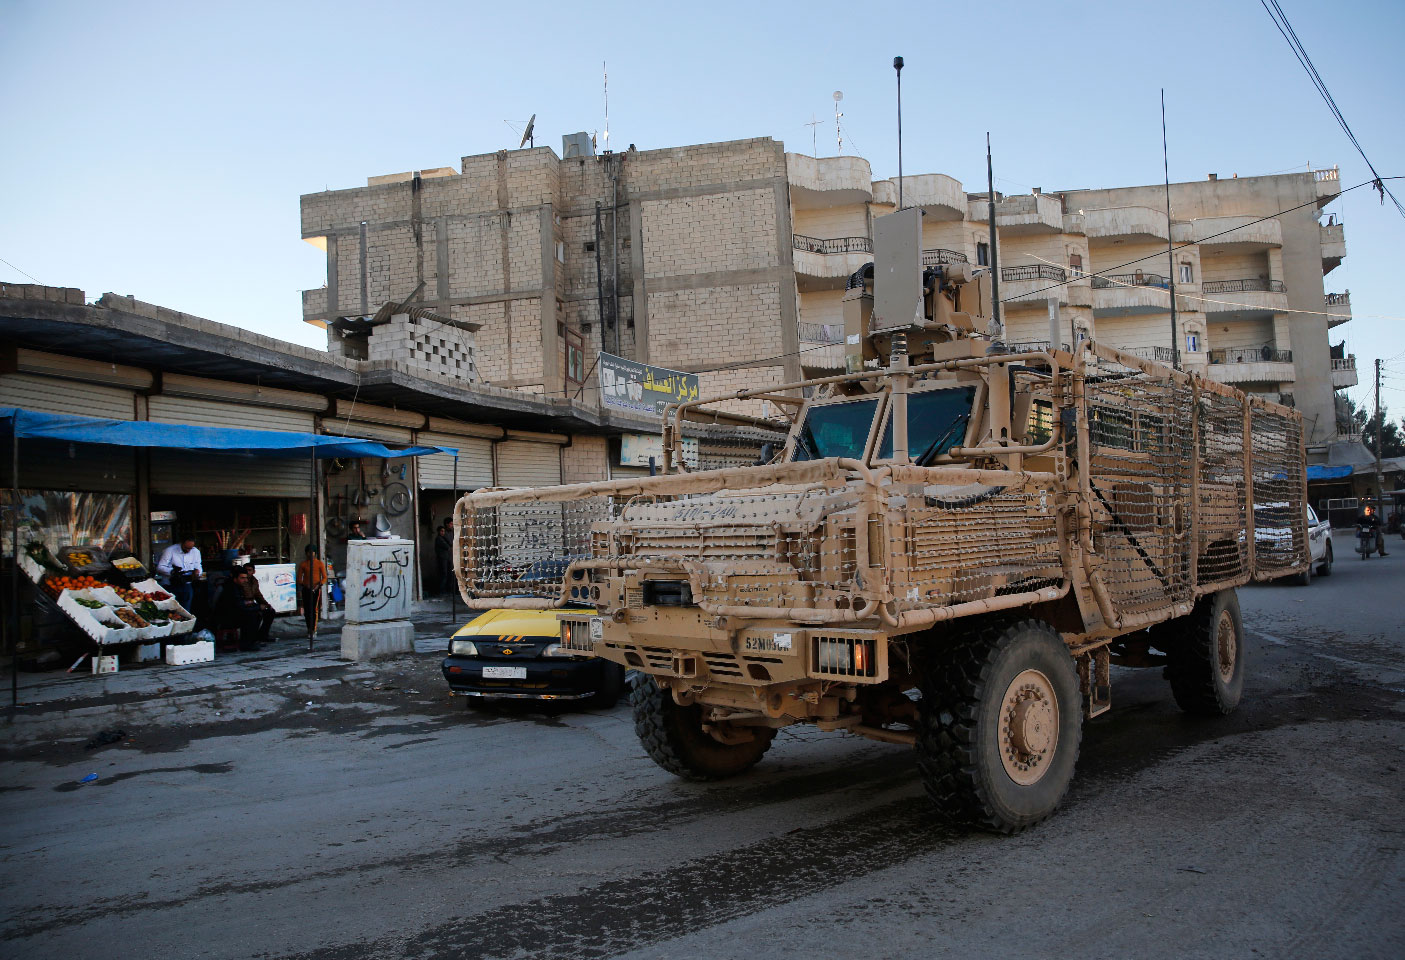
[[1280, 20], [18, 270]]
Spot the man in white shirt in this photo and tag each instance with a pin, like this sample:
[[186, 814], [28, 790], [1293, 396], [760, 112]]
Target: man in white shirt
[[179, 567]]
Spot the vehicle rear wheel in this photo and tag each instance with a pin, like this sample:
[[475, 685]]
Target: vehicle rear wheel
[[1205, 657], [674, 737], [1000, 724], [1325, 570]]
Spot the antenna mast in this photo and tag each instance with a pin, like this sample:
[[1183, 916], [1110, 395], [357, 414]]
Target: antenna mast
[[606, 73], [814, 136], [898, 66], [838, 134], [1170, 247]]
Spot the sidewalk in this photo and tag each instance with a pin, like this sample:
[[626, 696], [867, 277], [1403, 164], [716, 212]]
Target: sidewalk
[[55, 704]]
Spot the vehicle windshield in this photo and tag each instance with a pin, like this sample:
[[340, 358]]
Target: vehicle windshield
[[936, 422], [835, 430]]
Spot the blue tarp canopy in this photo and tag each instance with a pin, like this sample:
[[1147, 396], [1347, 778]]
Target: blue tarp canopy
[[31, 424], [1322, 471]]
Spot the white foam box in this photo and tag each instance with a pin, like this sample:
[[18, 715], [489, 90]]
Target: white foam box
[[179, 654], [147, 652], [105, 664]]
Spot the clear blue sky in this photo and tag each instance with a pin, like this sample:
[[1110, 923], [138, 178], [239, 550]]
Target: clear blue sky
[[159, 149]]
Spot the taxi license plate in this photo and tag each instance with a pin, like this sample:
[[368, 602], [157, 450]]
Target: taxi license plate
[[504, 673]]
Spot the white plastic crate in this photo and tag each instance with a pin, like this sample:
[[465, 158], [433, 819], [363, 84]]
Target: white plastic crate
[[179, 654]]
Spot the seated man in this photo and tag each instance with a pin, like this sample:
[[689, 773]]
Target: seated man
[[235, 610], [253, 592]]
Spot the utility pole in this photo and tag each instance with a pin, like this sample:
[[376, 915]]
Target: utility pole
[[1380, 421]]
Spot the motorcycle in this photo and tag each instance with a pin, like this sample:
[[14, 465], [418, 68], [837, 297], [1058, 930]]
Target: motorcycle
[[1365, 540]]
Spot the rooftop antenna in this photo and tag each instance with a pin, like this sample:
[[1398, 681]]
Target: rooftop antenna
[[530, 133], [1170, 247], [814, 137], [606, 74], [838, 134], [898, 66]]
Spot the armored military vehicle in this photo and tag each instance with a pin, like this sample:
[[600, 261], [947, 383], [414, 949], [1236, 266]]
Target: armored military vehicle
[[954, 545]]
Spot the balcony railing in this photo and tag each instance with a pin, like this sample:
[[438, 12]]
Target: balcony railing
[[1251, 355], [1320, 175], [1159, 354], [1034, 271], [839, 245], [1250, 285], [1347, 364], [822, 332], [1034, 346], [931, 258], [1131, 280], [1338, 299]]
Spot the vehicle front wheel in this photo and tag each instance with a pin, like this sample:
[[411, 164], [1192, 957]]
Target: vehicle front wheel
[[1304, 578], [674, 737], [1000, 724], [1325, 570], [611, 686], [1205, 656]]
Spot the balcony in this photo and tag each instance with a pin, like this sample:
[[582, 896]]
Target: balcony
[[1344, 372], [1032, 285], [1333, 246], [314, 302], [1329, 185], [1248, 234], [1021, 216], [1127, 294], [940, 197], [1251, 365], [1035, 346], [1338, 308], [1249, 297], [829, 260], [820, 182], [822, 346], [1139, 224], [940, 255]]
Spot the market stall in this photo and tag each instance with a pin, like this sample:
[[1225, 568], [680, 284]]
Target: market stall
[[75, 548]]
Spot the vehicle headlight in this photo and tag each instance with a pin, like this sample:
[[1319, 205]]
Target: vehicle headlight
[[559, 650], [463, 648], [835, 656]]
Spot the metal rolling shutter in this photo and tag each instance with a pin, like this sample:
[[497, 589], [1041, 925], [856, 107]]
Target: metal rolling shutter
[[56, 465], [231, 475], [55, 395], [394, 436], [619, 472], [215, 413], [522, 463], [475, 462]]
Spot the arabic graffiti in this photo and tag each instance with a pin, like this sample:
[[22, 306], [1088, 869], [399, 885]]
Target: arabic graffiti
[[383, 585], [627, 385]]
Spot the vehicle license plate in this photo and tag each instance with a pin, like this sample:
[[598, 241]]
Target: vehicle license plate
[[504, 673]]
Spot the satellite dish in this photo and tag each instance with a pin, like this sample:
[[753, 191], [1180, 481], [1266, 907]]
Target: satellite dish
[[527, 134], [838, 95]]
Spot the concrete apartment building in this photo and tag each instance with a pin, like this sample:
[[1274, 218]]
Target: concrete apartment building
[[730, 260]]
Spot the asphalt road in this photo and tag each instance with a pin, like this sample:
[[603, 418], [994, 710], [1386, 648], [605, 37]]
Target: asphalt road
[[393, 823]]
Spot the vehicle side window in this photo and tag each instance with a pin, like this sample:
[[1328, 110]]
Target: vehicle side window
[[1311, 517]]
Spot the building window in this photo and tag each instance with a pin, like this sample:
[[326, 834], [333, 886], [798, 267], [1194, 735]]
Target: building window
[[1187, 273], [1192, 343], [1075, 264], [560, 251], [982, 254]]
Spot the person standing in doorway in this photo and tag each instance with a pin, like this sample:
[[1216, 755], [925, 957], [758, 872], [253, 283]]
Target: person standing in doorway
[[179, 568], [444, 557], [311, 580]]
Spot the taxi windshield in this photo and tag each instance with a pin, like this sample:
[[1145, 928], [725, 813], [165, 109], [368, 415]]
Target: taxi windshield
[[835, 430]]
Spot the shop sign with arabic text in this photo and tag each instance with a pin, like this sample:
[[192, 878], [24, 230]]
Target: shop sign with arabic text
[[640, 388]]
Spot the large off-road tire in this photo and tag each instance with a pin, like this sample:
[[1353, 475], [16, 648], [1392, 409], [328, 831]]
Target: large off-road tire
[[1205, 656], [674, 738], [1000, 723]]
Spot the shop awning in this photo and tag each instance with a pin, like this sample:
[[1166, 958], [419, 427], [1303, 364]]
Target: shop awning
[[1323, 471], [32, 424]]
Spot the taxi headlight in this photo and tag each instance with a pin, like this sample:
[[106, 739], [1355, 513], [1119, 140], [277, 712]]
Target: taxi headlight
[[463, 648]]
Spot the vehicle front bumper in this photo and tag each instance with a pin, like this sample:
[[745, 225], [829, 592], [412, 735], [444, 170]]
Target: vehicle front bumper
[[554, 679]]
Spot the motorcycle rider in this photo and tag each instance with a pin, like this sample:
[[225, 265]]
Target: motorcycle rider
[[1367, 517]]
